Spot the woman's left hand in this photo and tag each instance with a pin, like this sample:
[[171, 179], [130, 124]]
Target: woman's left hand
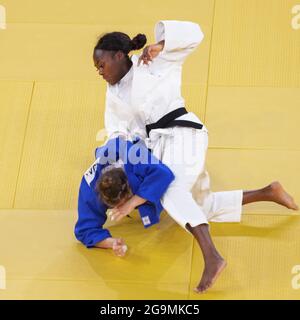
[[121, 211], [150, 52]]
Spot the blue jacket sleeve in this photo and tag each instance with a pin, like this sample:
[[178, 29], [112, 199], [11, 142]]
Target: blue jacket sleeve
[[154, 175], [91, 217]]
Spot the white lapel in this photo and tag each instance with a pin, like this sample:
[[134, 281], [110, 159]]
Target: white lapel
[[114, 98], [142, 83]]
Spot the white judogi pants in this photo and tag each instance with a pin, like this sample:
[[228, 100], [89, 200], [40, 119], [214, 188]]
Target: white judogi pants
[[189, 198]]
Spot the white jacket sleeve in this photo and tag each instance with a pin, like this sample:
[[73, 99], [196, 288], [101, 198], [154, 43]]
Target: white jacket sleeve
[[181, 38]]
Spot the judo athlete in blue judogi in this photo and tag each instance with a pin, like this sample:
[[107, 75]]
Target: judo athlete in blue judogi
[[124, 176]]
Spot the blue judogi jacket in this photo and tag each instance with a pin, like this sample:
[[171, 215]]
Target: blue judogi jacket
[[147, 177]]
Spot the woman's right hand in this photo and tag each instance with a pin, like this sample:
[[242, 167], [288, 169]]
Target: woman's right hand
[[119, 247], [116, 244]]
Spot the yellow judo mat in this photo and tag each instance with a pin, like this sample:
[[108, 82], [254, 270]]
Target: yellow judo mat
[[243, 82]]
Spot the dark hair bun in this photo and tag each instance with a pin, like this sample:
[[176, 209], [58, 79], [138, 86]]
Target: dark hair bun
[[138, 41]]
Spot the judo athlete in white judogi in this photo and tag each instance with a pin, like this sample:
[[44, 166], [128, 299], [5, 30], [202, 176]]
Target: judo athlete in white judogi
[[144, 99], [122, 173]]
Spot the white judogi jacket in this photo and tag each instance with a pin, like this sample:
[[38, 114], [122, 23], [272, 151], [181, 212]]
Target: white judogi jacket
[[146, 94], [155, 89]]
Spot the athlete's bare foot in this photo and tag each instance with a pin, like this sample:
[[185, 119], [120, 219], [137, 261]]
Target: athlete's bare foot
[[212, 270], [280, 196]]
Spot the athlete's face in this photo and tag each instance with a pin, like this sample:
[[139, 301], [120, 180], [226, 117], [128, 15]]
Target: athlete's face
[[109, 65]]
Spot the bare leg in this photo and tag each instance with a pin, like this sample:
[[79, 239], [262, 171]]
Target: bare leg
[[273, 192], [214, 263]]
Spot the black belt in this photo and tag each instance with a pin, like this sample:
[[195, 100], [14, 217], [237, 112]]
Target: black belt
[[169, 120]]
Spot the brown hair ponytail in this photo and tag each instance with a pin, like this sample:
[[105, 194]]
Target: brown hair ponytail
[[113, 186]]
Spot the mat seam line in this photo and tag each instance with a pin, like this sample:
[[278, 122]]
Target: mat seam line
[[23, 146]]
